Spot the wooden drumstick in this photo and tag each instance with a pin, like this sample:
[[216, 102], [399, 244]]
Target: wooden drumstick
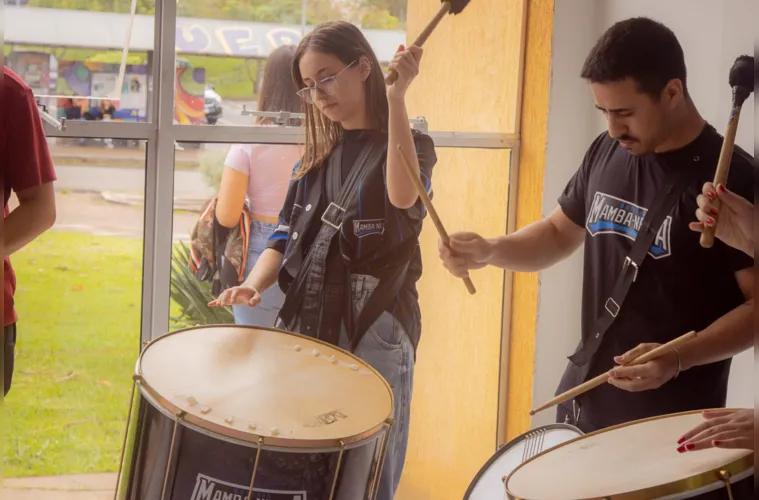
[[742, 81], [452, 6], [604, 377], [428, 204]]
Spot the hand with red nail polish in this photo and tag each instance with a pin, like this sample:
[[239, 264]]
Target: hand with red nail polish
[[721, 429], [734, 219]]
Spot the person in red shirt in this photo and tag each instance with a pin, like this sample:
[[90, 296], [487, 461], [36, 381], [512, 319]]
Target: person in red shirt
[[27, 170]]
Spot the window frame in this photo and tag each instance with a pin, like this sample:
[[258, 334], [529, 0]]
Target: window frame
[[161, 135]]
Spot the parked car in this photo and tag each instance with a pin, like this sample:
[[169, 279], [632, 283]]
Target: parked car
[[212, 105]]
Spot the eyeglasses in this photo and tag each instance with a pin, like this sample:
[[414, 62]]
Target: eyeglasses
[[327, 86]]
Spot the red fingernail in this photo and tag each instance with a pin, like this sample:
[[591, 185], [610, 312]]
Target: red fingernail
[[721, 188], [710, 195], [401, 47], [709, 221], [713, 212], [681, 440], [681, 449], [690, 446], [716, 443]]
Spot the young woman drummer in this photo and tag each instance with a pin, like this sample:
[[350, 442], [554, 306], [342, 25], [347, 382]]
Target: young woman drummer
[[346, 251]]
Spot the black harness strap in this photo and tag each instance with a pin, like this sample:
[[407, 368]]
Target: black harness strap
[[652, 222], [315, 298]]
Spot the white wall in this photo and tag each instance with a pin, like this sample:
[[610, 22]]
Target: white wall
[[713, 33]]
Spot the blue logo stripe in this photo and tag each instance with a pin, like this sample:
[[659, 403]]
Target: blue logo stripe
[[601, 225]]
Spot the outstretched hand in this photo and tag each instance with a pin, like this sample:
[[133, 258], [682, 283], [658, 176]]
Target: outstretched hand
[[242, 295], [721, 429]]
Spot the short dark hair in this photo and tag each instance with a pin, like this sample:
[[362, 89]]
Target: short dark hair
[[641, 49]]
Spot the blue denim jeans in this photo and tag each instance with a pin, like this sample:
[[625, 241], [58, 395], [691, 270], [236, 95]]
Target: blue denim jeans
[[265, 313], [387, 348]]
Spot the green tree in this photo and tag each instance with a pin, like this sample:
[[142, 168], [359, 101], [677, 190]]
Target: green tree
[[380, 20], [370, 14], [121, 6]]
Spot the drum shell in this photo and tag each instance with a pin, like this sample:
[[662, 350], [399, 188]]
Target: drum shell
[[489, 479], [178, 449], [202, 463]]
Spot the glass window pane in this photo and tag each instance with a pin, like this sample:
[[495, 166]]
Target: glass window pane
[[259, 173], [79, 302], [222, 52], [71, 52]]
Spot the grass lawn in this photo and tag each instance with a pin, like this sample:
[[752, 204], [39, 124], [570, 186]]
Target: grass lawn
[[78, 299]]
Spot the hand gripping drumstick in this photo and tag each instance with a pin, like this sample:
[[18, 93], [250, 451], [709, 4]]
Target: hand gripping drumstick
[[601, 379], [448, 6], [428, 205], [742, 81]]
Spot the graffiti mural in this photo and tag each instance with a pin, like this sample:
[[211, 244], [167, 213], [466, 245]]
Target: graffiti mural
[[188, 94], [33, 68], [82, 80], [236, 40], [87, 79]]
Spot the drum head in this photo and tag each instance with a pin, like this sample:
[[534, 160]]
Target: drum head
[[247, 383], [488, 483], [638, 460]]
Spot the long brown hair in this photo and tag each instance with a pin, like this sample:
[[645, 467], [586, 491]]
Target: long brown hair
[[346, 42], [277, 94]]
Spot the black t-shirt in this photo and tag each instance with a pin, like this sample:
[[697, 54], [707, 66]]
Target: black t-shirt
[[680, 286]]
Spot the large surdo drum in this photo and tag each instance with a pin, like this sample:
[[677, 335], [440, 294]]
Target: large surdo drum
[[244, 413]]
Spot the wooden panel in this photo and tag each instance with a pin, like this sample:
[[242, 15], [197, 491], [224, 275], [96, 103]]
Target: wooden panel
[[468, 82], [470, 70], [534, 131]]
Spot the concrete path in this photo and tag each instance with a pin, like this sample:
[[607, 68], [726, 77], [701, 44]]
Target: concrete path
[[77, 487], [94, 178]]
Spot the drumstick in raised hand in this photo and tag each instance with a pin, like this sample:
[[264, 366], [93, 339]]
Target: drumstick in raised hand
[[433, 214], [604, 377], [741, 79]]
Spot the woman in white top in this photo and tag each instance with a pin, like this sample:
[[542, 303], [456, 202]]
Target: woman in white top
[[262, 173]]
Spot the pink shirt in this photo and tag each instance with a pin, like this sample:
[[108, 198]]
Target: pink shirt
[[269, 168]]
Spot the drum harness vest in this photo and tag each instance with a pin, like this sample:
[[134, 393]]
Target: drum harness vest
[[319, 299], [669, 195]]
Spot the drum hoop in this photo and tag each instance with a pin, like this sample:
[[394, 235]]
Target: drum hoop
[[735, 468], [191, 425], [269, 442], [506, 447]]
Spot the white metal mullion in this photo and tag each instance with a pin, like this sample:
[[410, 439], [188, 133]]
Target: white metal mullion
[[294, 135], [508, 295], [102, 130], [159, 186]]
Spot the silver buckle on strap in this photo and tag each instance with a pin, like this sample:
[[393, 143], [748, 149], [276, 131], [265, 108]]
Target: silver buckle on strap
[[331, 211], [612, 306], [629, 262]]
